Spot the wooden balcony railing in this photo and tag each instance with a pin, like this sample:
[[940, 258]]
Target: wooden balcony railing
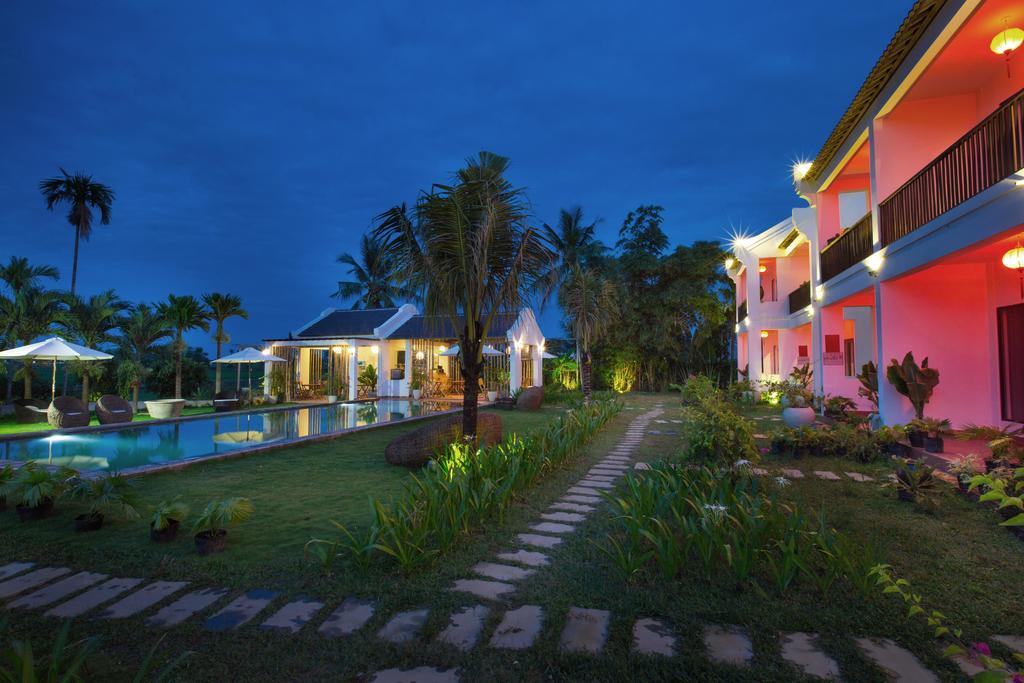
[[989, 153], [741, 312], [800, 298], [850, 248]]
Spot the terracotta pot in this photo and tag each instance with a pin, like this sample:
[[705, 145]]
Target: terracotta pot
[[44, 509], [90, 521], [165, 535], [209, 542], [798, 417]]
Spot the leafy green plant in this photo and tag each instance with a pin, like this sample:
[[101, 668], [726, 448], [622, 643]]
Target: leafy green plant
[[219, 515], [1004, 442], [915, 482], [167, 512], [1006, 492], [933, 427], [33, 485], [368, 377], [838, 407], [111, 492], [868, 379], [916, 382]]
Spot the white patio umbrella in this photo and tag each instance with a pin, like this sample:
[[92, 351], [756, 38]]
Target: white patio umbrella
[[548, 356], [247, 356], [54, 349], [488, 351]]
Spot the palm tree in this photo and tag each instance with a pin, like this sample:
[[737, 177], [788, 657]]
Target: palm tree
[[375, 282], [467, 250], [222, 307], [183, 313], [32, 313], [91, 322], [573, 241], [591, 304], [82, 195], [141, 329], [18, 275]]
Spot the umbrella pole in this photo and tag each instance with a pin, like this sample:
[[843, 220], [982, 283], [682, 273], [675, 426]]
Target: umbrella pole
[[53, 382], [249, 366], [238, 377]]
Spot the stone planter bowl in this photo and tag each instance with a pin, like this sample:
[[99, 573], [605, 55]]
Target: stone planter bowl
[[798, 417], [165, 408]]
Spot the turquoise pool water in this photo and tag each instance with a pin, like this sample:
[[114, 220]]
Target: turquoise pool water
[[144, 444]]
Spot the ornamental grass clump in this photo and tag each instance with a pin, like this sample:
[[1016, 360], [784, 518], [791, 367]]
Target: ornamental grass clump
[[724, 521], [465, 487]]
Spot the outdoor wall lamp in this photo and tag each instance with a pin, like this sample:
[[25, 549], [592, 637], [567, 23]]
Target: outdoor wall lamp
[[337, 349], [801, 169], [1014, 260], [1006, 42], [419, 355], [874, 264], [762, 269], [375, 350], [764, 334]]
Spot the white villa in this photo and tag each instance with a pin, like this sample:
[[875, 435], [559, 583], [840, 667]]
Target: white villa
[[327, 355]]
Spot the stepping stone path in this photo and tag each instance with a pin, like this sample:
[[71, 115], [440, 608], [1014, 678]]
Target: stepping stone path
[[563, 516], [240, 611], [185, 606], [857, 476], [464, 627], [585, 630], [575, 507], [55, 591], [403, 626], [501, 572], [30, 580], [142, 599], [538, 540], [9, 570], [527, 557], [351, 616], [489, 590], [651, 637], [802, 651], [519, 628], [831, 476], [93, 597], [421, 674], [899, 663], [553, 528], [293, 616], [728, 645]]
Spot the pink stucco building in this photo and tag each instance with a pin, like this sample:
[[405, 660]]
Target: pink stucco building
[[913, 204]]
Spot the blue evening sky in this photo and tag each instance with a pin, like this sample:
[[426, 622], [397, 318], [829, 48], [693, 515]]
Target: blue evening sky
[[251, 142]]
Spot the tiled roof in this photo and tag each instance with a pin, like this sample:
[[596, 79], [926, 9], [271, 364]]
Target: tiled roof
[[352, 323], [910, 31], [439, 327]]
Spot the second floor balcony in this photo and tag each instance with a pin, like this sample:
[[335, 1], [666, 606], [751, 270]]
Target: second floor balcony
[[800, 298], [848, 249]]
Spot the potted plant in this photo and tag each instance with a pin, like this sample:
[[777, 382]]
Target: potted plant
[[6, 477], [211, 528], [112, 492], [416, 384], [798, 412], [964, 469], [934, 429], [889, 439], [868, 390], [368, 380], [167, 517], [36, 488], [492, 379], [1003, 443], [914, 481], [917, 383], [782, 441]]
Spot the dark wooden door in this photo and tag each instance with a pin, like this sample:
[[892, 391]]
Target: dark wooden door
[[1011, 361]]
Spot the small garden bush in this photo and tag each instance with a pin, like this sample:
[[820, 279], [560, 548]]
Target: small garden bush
[[713, 432]]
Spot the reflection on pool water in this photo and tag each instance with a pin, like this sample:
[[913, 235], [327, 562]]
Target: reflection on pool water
[[152, 444]]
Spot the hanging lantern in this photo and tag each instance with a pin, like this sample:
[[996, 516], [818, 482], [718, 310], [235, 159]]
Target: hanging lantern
[[762, 269], [1006, 42], [1014, 260], [764, 334]]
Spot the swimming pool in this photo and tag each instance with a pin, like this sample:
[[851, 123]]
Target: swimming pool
[[153, 444]]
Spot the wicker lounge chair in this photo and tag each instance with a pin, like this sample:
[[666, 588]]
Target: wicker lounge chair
[[111, 409], [224, 401], [30, 410], [165, 408], [66, 412]]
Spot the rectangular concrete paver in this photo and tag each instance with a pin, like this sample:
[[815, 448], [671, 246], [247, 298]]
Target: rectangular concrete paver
[[490, 590], [141, 599], [94, 597], [186, 606], [47, 595], [760, 471], [857, 476], [420, 674], [803, 651], [899, 663], [572, 507], [585, 630], [519, 628], [241, 610], [571, 517], [582, 491], [651, 637], [824, 474], [584, 484], [293, 616], [12, 568], [793, 474], [464, 627], [501, 572], [580, 498], [538, 540], [403, 626], [527, 557], [552, 528], [22, 583], [1015, 643], [728, 645], [350, 616]]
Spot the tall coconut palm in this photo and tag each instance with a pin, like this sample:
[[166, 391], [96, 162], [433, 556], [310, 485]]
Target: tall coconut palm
[[33, 313], [467, 250], [222, 307], [183, 314], [591, 304], [573, 240], [141, 329], [82, 195], [17, 276], [375, 282], [92, 322]]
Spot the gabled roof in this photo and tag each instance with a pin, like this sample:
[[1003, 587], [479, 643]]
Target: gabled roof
[[439, 327], [909, 32], [346, 323]]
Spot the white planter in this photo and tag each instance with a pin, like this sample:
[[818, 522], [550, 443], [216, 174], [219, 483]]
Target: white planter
[[331, 398], [798, 417], [416, 393], [492, 396]]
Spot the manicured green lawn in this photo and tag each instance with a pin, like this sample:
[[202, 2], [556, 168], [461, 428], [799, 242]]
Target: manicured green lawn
[[954, 555], [8, 426]]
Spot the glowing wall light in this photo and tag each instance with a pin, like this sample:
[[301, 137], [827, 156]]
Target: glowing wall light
[[762, 269], [874, 262], [420, 355], [764, 334], [800, 170], [1014, 260]]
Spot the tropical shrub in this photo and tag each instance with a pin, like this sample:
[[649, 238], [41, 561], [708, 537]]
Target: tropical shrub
[[723, 521], [916, 382], [169, 512], [462, 489], [218, 515], [112, 492], [32, 486]]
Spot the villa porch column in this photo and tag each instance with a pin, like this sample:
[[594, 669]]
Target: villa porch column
[[353, 370], [515, 368], [267, 366], [408, 369], [538, 365], [383, 369]]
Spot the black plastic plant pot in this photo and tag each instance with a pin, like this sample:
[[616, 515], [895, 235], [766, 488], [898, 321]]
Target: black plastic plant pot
[[90, 521], [963, 482], [29, 514], [916, 438], [906, 496], [165, 535], [934, 444], [990, 464], [210, 542]]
